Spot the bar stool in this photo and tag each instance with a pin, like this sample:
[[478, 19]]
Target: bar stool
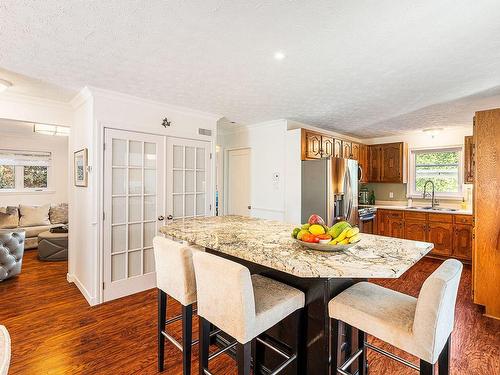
[[175, 277], [421, 327], [243, 306]]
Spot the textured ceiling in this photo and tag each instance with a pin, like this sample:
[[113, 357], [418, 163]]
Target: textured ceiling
[[351, 66]]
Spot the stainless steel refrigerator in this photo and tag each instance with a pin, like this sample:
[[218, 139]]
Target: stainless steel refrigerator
[[330, 189]]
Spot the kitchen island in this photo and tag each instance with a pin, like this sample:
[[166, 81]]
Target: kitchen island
[[266, 247]]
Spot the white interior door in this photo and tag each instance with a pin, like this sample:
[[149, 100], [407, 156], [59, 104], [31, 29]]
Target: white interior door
[[188, 178], [238, 182], [133, 206]]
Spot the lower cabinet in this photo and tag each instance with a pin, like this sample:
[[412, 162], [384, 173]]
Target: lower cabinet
[[441, 235], [450, 234]]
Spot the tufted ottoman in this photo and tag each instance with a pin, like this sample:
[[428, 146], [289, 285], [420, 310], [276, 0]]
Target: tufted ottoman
[[4, 351], [11, 252], [52, 246]]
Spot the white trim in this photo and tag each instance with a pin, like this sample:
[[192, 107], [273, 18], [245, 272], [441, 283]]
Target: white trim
[[411, 193], [92, 301], [26, 192]]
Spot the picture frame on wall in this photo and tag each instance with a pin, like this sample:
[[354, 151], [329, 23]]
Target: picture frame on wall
[[80, 167]]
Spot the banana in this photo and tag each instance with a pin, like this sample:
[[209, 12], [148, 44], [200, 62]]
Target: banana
[[352, 232], [354, 238], [344, 241], [342, 235]]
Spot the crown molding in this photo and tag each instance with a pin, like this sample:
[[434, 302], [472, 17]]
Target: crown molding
[[131, 98], [83, 95], [34, 100]]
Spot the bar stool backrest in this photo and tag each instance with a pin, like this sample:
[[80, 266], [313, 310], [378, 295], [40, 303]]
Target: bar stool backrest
[[175, 270], [435, 311], [225, 295]]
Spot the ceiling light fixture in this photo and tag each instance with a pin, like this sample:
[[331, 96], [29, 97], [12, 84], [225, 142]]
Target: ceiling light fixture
[[51, 130], [4, 85], [279, 55]]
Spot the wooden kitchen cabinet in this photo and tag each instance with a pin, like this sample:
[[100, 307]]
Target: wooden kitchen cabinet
[[337, 148], [469, 160], [316, 145], [363, 163], [462, 241], [396, 228], [355, 151], [374, 163], [390, 223], [415, 230], [327, 145], [313, 145], [441, 235], [393, 162], [347, 150]]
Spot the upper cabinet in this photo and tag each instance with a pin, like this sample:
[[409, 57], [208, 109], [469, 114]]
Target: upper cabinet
[[469, 160], [388, 162], [316, 145], [363, 163], [313, 145], [374, 163]]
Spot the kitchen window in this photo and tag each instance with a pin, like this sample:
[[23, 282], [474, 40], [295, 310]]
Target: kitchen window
[[24, 171], [443, 166]]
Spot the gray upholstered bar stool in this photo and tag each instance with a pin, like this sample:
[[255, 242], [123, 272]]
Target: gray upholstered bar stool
[[243, 306], [175, 277], [4, 351], [421, 327]]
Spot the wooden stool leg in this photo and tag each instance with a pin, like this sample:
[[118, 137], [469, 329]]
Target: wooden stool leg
[[334, 346], [243, 357], [444, 358], [301, 345], [426, 368], [204, 344], [162, 317], [187, 338]]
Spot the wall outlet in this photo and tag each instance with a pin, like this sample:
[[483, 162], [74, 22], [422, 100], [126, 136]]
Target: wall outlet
[[391, 195]]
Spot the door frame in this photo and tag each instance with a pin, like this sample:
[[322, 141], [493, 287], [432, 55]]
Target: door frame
[[98, 139], [226, 175]]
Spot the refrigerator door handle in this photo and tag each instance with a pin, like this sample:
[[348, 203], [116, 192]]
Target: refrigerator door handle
[[348, 195]]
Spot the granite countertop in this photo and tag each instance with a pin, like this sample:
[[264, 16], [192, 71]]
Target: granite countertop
[[406, 208], [269, 243]]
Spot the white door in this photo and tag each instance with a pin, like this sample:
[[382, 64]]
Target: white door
[[238, 182], [133, 208], [188, 178]]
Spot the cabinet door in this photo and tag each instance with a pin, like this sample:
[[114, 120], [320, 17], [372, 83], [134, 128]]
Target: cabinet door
[[313, 145], [374, 162], [337, 148], [396, 228], [346, 150], [382, 221], [462, 241], [415, 230], [391, 162], [355, 151], [327, 146], [469, 160], [441, 235], [363, 163]]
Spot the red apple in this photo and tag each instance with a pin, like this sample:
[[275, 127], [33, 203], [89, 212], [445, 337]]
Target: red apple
[[316, 219]]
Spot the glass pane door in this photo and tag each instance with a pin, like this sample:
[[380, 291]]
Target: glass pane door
[[188, 165], [134, 164]]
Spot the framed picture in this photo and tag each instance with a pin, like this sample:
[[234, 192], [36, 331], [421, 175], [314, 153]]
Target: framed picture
[[80, 172]]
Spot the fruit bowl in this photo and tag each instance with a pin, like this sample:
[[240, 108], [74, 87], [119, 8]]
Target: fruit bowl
[[326, 246]]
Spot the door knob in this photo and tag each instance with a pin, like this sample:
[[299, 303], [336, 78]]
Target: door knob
[[249, 207], [170, 217], [161, 218]]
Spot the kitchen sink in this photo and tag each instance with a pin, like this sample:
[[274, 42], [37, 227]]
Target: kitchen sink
[[429, 208]]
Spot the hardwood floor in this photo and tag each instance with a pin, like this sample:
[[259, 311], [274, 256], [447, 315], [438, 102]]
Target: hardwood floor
[[54, 331]]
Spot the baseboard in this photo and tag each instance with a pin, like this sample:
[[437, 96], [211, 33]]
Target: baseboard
[[92, 301]]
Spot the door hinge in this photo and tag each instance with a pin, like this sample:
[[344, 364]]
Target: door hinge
[[210, 207], [103, 215], [104, 146], [210, 156], [103, 284]]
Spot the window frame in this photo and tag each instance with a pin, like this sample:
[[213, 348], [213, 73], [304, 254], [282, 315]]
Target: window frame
[[19, 176], [411, 188]]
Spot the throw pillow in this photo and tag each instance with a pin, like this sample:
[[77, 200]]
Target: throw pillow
[[34, 215], [58, 214], [9, 217]]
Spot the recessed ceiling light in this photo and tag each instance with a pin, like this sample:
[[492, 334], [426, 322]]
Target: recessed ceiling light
[[433, 132], [4, 85], [279, 55]]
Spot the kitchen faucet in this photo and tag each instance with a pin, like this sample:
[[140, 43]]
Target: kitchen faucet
[[434, 202]]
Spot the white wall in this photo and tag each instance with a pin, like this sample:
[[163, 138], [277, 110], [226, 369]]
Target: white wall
[[58, 146], [95, 110], [267, 142]]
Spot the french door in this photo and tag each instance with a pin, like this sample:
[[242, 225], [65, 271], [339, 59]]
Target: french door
[[188, 178], [133, 210]]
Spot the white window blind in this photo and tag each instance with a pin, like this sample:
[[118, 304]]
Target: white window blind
[[25, 158]]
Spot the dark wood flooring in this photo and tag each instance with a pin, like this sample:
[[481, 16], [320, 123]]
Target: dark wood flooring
[[54, 331]]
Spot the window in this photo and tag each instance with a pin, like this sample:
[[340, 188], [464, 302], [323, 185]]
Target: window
[[442, 166], [22, 171]]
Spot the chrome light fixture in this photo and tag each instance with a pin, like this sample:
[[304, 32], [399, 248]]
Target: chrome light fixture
[[51, 129], [4, 85]]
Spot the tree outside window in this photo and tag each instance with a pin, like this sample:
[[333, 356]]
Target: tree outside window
[[35, 177], [7, 177]]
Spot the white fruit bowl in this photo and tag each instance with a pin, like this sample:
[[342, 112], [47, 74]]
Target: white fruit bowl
[[326, 246]]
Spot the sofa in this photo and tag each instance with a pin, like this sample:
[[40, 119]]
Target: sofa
[[11, 252], [33, 220]]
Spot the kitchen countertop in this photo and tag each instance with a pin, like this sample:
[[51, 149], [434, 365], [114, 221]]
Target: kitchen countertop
[[406, 208], [268, 243]]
